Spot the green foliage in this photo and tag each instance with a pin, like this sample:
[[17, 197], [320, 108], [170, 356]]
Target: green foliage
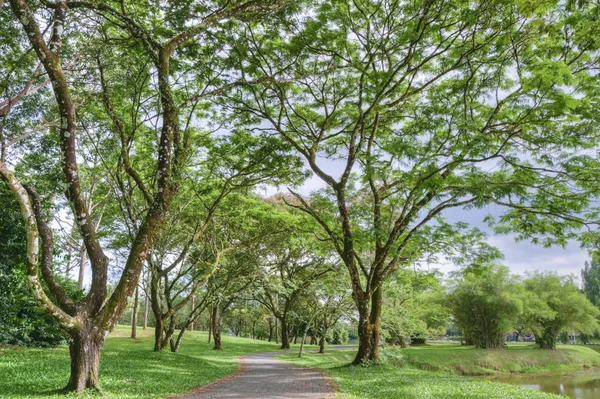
[[338, 335], [22, 321], [590, 276], [554, 304], [413, 307], [486, 305]]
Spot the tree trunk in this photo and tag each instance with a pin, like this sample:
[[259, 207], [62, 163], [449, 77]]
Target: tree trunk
[[158, 335], [276, 331], [322, 344], [270, 330], [162, 334], [193, 307], [216, 327], [175, 345], [369, 318], [375, 321], [145, 311], [209, 326], [302, 341], [404, 341], [82, 263], [546, 341], [285, 340], [85, 348], [313, 337], [134, 314]]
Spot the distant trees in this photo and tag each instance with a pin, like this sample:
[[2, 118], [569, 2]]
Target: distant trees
[[590, 277], [486, 305], [158, 113], [490, 302], [414, 307], [554, 304]]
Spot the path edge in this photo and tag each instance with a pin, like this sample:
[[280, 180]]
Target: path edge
[[203, 388], [337, 394]]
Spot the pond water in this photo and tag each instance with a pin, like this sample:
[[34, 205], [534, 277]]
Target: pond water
[[578, 385]]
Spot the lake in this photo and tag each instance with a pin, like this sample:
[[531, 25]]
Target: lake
[[578, 385]]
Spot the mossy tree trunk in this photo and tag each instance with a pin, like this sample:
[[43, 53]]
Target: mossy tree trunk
[[85, 347]]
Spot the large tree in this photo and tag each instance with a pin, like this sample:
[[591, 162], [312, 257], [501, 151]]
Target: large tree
[[406, 109], [161, 44]]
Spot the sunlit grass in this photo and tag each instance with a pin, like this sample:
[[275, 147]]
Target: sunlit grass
[[129, 368]]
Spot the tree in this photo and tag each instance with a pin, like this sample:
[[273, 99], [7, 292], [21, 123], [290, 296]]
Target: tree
[[412, 307], [553, 305], [292, 262], [88, 321], [199, 231], [334, 302], [486, 305], [413, 101], [590, 276]]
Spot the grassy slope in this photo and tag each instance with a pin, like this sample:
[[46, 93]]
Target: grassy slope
[[391, 382], [128, 369], [517, 358]]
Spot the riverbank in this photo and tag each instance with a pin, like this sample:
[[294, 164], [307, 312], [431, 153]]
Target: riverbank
[[394, 380], [517, 358]]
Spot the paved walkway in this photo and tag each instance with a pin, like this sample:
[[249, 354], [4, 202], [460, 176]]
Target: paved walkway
[[264, 377]]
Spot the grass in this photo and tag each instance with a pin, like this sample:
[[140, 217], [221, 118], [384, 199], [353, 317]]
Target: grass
[[516, 358], [128, 368], [386, 381]]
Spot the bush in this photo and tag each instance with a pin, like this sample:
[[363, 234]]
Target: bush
[[337, 335], [22, 321]]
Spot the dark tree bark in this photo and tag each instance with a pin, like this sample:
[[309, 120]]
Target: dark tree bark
[[322, 344], [546, 340], [270, 329], [285, 340]]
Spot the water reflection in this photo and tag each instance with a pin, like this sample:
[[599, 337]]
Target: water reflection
[[578, 385]]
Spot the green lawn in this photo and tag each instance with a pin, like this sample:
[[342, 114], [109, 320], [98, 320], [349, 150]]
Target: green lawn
[[387, 381], [516, 358], [129, 368]]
